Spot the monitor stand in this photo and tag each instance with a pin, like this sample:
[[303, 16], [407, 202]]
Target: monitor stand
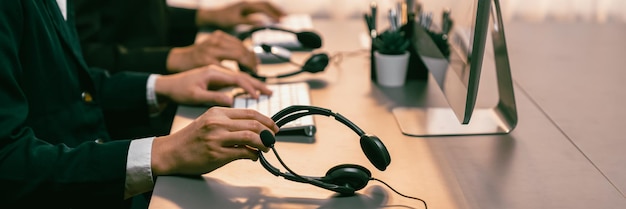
[[435, 121], [438, 121]]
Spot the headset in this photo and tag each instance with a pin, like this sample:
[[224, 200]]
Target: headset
[[344, 179], [315, 64], [308, 39]]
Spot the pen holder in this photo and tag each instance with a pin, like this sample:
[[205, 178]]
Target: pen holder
[[416, 69]]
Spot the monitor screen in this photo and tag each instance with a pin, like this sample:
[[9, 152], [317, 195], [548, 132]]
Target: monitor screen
[[450, 40]]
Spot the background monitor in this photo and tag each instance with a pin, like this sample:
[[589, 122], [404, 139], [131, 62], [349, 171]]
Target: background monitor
[[454, 52]]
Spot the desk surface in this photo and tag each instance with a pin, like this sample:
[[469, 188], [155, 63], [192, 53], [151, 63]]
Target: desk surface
[[575, 73], [541, 164]]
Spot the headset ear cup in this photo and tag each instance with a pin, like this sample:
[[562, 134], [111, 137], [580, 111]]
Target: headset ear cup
[[348, 175], [309, 39], [316, 63], [375, 151]]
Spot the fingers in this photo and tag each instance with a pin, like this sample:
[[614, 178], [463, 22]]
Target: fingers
[[224, 77], [247, 138], [203, 86], [222, 46], [267, 8], [241, 152], [242, 128], [213, 97], [239, 120], [247, 114], [252, 86]]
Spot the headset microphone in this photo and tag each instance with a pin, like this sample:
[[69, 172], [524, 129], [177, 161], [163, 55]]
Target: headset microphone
[[316, 63], [344, 179], [267, 138]]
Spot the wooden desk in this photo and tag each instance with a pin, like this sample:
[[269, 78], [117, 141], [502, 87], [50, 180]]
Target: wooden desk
[[536, 166], [576, 73]]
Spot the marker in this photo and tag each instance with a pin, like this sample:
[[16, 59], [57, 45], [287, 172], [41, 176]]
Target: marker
[[373, 14]]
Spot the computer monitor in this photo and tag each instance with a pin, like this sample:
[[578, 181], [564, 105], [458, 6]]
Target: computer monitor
[[454, 55]]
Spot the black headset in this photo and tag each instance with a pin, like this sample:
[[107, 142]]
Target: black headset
[[344, 179], [308, 39]]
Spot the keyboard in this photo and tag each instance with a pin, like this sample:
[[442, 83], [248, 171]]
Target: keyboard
[[284, 95], [293, 22]]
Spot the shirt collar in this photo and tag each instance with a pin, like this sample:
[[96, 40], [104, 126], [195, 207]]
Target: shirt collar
[[63, 7]]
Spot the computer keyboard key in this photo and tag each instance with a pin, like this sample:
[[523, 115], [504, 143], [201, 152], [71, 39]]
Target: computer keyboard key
[[284, 95]]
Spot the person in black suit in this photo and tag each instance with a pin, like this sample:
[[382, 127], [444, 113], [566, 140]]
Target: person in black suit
[[55, 151], [148, 35]]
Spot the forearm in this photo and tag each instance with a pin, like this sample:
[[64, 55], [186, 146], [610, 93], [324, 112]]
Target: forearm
[[207, 17], [161, 162], [33, 169], [181, 59]]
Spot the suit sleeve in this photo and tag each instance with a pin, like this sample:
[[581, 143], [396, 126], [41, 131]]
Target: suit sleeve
[[111, 54], [116, 55], [123, 97], [119, 57], [121, 91], [33, 171], [182, 27]]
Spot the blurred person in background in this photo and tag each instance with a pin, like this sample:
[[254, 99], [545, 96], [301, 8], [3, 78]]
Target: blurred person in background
[[150, 36]]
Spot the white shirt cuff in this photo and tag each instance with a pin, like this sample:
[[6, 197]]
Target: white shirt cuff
[[138, 167], [151, 97]]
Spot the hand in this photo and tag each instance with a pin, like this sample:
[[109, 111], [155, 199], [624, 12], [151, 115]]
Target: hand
[[196, 86], [216, 47], [217, 137], [238, 13]]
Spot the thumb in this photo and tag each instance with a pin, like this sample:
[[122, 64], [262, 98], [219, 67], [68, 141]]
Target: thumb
[[245, 153]]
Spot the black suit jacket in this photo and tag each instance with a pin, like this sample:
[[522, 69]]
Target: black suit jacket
[[52, 111], [137, 35]]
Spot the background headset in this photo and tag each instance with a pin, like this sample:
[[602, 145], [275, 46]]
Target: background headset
[[308, 39], [344, 179]]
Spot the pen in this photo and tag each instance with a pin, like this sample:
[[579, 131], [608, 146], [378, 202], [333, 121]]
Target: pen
[[373, 15], [368, 21], [393, 19], [370, 27]]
